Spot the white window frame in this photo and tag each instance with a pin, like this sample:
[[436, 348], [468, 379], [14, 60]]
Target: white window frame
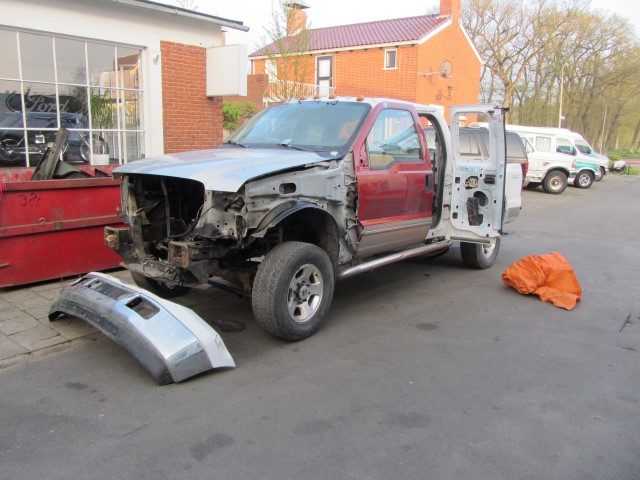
[[386, 57]]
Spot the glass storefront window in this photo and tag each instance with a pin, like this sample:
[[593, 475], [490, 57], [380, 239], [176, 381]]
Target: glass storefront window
[[49, 82]]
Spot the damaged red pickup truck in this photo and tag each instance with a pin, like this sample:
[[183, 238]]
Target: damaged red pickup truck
[[309, 192]]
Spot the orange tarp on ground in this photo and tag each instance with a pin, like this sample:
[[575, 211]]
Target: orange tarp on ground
[[549, 276]]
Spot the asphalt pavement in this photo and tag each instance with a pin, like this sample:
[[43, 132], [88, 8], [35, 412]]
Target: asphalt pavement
[[425, 370]]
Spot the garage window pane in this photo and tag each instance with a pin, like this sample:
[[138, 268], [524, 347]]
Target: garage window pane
[[40, 106], [8, 54], [70, 61], [36, 54], [128, 67], [102, 65]]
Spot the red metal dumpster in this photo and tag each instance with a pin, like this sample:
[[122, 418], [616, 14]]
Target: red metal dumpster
[[54, 228]]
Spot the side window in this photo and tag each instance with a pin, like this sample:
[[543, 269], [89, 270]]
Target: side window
[[515, 147], [393, 139], [527, 145], [583, 147], [564, 146], [469, 144], [390, 59], [543, 144]]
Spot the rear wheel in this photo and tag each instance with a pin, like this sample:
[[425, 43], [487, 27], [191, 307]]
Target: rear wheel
[[532, 185], [292, 290], [555, 182], [584, 179], [480, 256], [159, 288]]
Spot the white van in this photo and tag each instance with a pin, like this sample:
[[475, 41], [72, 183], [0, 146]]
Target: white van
[[554, 160], [584, 148]]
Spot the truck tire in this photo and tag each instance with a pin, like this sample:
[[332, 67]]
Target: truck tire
[[584, 179], [292, 291], [479, 256], [158, 288], [555, 182], [533, 185]]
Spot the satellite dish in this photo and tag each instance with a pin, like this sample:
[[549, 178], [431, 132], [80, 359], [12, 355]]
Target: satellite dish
[[445, 69]]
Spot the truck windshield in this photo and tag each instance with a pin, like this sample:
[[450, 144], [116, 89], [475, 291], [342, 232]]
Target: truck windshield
[[307, 125]]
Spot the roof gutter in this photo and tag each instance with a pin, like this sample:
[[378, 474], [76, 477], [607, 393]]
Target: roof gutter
[[345, 49], [183, 12]]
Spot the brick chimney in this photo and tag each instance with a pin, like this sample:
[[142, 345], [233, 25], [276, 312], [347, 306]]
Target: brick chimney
[[296, 17], [450, 8]]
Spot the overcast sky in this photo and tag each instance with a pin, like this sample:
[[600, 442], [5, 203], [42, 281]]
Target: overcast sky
[[256, 14]]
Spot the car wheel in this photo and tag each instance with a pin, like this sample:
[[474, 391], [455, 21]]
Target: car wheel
[[9, 154], [159, 288], [292, 291], [584, 179], [555, 182], [603, 172], [532, 185], [479, 256]]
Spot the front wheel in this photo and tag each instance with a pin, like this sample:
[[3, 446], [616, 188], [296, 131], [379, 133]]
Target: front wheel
[[478, 255], [584, 179], [555, 182], [158, 288], [292, 291]]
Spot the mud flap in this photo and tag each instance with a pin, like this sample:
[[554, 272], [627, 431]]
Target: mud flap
[[171, 341]]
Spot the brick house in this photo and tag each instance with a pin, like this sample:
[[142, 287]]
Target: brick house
[[426, 59]]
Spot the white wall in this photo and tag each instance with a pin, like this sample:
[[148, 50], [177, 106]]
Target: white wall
[[122, 24]]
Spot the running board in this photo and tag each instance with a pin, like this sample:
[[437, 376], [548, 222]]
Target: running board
[[171, 341], [394, 257]]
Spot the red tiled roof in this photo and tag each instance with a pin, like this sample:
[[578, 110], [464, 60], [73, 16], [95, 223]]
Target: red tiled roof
[[371, 33]]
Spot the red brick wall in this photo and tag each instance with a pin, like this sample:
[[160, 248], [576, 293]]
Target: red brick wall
[[361, 72], [192, 121], [452, 45]]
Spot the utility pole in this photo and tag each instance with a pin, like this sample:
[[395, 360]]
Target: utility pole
[[561, 93], [604, 121]]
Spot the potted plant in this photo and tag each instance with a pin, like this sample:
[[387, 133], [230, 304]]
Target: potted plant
[[101, 119]]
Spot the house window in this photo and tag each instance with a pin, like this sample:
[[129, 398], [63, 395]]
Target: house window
[[324, 74], [390, 59], [92, 89]]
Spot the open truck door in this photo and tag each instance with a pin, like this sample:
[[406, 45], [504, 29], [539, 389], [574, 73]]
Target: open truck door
[[485, 192]]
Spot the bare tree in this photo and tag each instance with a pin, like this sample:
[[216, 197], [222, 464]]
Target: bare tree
[[285, 47], [537, 50]]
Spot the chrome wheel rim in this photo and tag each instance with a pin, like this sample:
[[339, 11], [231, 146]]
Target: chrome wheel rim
[[487, 250], [584, 180], [305, 293], [555, 183]]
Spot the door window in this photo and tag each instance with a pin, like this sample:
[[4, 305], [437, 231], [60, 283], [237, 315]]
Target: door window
[[393, 139], [564, 146]]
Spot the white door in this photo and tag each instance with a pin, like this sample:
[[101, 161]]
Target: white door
[[478, 184]]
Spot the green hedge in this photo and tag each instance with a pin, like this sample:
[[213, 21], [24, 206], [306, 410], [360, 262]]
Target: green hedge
[[234, 113]]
